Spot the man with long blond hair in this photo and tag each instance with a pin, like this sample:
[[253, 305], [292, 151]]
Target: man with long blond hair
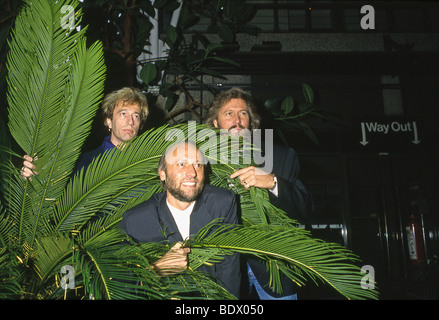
[[124, 113]]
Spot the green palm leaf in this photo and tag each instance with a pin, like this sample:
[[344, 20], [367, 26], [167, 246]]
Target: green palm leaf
[[35, 93], [10, 287], [124, 272], [86, 91], [286, 248], [51, 253], [294, 252], [57, 116], [110, 179]]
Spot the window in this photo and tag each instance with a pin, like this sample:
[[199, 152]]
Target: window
[[321, 19]]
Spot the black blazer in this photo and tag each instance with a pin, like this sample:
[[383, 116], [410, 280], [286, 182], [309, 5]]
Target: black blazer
[[151, 221], [294, 199]]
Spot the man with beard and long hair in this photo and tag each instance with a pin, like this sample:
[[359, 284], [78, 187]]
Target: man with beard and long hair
[[234, 111], [186, 206]]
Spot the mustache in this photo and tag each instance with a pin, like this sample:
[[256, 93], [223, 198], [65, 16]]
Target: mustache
[[236, 126], [190, 180]]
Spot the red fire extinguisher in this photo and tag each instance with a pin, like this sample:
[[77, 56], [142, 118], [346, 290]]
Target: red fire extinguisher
[[414, 240]]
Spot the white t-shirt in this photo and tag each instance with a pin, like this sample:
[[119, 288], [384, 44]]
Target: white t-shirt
[[182, 219]]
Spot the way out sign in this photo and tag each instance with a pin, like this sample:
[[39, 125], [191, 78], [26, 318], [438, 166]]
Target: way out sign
[[389, 134]]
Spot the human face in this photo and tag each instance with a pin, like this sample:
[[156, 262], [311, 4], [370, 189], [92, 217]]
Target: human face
[[125, 123], [233, 116], [184, 175]]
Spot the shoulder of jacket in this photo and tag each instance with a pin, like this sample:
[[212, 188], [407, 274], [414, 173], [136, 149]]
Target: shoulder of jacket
[[213, 192], [145, 207]]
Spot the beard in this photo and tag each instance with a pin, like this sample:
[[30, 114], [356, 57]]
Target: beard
[[174, 188]]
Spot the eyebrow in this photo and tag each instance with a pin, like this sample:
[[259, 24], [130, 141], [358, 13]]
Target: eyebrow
[[186, 160], [126, 109], [238, 110]]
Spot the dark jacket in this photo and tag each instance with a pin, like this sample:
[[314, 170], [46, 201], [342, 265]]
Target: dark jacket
[[294, 199], [148, 221], [86, 158]]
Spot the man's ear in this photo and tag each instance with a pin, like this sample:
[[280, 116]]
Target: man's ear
[[162, 175], [215, 123], [108, 122]]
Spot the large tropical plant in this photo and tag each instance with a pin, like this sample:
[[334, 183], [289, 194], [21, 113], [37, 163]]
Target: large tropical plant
[[59, 234]]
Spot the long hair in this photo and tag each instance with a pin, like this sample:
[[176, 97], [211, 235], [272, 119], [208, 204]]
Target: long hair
[[222, 98]]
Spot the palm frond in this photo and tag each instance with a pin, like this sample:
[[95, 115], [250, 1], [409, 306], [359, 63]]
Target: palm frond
[[51, 253], [38, 62], [95, 233], [85, 92], [9, 285], [56, 116], [124, 272], [109, 177], [254, 204], [330, 263]]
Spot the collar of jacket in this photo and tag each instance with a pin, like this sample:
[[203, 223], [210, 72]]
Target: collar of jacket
[[200, 216]]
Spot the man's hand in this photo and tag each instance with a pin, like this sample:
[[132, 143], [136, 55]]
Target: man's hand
[[254, 177], [28, 169], [173, 262]]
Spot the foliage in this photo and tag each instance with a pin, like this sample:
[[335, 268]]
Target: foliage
[[157, 28], [190, 55], [292, 114], [58, 219]]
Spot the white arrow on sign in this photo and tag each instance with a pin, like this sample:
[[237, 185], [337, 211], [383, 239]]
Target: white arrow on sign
[[415, 133], [363, 135]]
